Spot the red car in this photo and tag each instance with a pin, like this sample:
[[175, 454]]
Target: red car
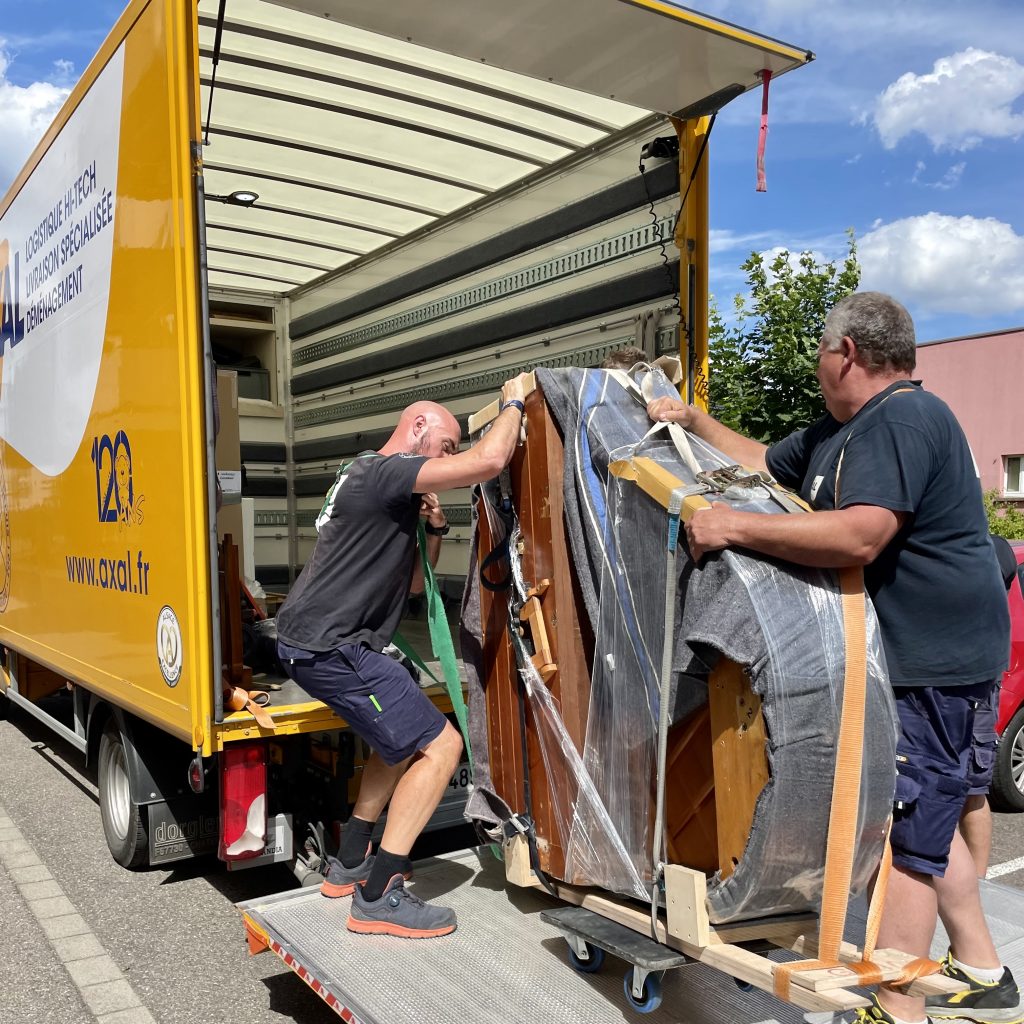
[[1008, 780]]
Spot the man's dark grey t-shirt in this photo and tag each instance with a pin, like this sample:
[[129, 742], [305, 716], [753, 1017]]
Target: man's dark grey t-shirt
[[936, 587], [354, 587]]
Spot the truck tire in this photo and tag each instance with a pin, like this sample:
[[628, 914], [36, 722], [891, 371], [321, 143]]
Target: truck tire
[[124, 821], [1007, 794]]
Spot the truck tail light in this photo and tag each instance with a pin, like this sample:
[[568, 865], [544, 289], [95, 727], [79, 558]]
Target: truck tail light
[[243, 800]]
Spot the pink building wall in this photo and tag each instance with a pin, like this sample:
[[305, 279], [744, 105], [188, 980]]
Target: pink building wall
[[981, 378]]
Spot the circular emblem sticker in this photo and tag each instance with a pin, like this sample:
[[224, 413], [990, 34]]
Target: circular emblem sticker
[[168, 645]]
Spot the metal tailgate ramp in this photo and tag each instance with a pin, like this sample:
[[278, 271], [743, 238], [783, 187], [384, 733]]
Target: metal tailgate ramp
[[506, 963]]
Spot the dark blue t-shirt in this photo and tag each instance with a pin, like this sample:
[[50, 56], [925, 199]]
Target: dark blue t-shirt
[[936, 587], [354, 587]]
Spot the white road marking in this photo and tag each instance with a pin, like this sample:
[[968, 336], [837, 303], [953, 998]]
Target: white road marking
[[1006, 868]]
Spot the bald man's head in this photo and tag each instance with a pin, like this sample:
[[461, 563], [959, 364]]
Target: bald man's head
[[425, 428]]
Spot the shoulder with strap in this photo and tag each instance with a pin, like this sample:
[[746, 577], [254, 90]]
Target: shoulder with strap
[[326, 509], [853, 430]]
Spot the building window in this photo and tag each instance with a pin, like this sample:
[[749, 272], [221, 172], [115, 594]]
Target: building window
[[1013, 478]]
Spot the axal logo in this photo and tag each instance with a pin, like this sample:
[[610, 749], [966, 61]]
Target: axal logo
[[12, 323], [117, 500]]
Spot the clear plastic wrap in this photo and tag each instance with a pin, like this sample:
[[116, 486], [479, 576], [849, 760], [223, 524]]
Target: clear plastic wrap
[[782, 623]]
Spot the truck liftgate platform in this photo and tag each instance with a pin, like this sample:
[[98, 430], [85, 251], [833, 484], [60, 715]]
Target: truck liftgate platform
[[506, 962]]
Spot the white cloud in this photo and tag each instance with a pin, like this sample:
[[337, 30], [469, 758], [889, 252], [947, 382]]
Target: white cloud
[[943, 264], [949, 180], [966, 97], [64, 73], [25, 113], [727, 240]]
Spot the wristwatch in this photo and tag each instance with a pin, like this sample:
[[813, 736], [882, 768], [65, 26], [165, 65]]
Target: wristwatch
[[514, 403], [437, 531]]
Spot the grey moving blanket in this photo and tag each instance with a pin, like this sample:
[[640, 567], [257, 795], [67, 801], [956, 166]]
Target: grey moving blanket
[[782, 623]]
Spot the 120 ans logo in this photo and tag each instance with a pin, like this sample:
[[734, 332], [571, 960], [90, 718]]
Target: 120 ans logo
[[116, 497]]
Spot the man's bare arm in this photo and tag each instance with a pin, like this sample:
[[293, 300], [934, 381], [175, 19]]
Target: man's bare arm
[[831, 540], [487, 458], [430, 509], [739, 448]]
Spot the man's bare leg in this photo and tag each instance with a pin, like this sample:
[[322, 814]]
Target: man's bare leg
[[912, 905], [976, 828], [908, 923], [419, 791], [382, 905], [377, 785], [959, 905]]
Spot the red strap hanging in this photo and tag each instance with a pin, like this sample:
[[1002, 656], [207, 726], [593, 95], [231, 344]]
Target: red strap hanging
[[762, 183]]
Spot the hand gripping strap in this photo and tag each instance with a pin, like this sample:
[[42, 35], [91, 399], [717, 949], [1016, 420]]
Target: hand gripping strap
[[644, 395]]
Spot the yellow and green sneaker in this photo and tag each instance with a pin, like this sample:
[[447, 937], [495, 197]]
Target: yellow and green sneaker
[[872, 1014], [985, 1002]]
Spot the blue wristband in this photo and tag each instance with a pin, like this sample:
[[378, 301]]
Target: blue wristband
[[514, 403]]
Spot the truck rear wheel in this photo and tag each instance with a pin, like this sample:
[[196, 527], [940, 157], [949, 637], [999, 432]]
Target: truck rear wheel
[[124, 824]]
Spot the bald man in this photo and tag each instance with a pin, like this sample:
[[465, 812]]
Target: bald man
[[341, 614]]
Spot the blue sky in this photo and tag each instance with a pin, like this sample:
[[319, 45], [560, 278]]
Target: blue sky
[[907, 128]]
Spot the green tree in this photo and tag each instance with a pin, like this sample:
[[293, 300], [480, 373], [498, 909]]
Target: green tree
[[763, 363], [1005, 518]]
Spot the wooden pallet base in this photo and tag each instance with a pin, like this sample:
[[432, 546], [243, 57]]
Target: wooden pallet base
[[686, 927]]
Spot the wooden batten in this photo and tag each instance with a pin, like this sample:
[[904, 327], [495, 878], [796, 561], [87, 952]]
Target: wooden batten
[[234, 671], [657, 482], [480, 419]]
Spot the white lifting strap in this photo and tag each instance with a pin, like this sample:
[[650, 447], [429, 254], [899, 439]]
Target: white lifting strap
[[644, 393]]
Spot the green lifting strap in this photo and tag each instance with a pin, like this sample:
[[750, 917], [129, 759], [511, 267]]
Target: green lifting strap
[[440, 642], [410, 652]]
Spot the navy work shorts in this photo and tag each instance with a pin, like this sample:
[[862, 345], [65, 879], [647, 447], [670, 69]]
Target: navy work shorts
[[933, 755], [372, 692], [983, 744]]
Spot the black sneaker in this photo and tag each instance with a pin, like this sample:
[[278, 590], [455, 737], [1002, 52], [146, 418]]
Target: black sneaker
[[987, 1002], [399, 912], [341, 881]]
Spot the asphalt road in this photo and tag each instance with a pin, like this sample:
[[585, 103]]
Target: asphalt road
[[166, 944]]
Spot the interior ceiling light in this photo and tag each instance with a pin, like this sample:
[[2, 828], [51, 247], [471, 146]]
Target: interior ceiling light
[[243, 197]]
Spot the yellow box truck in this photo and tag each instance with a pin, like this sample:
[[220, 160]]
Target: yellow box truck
[[111, 599], [109, 610]]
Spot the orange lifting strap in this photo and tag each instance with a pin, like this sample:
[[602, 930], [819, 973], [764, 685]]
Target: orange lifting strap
[[842, 824]]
